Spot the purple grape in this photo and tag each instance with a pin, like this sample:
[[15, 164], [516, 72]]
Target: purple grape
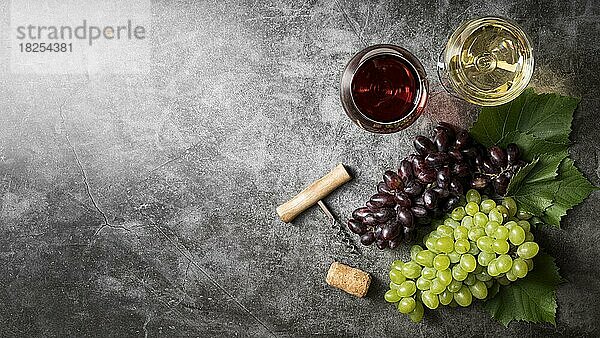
[[381, 244], [413, 188], [512, 153], [426, 176], [409, 234], [480, 182], [461, 170], [498, 156], [405, 217], [380, 200], [370, 220], [390, 230], [392, 180], [384, 214], [394, 243], [405, 170], [451, 203], [423, 145], [501, 184], [441, 192], [367, 238], [418, 211], [430, 199], [356, 227], [462, 140], [360, 213], [383, 188], [456, 187], [442, 140], [403, 200], [456, 155], [437, 160]]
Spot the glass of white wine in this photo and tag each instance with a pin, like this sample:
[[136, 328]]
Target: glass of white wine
[[487, 61]]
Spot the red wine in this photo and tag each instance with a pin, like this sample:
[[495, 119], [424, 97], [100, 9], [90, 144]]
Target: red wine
[[385, 88]]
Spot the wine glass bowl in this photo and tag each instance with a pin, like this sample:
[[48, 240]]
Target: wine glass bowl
[[487, 61]]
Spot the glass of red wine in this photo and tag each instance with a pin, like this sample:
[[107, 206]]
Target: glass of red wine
[[384, 89]]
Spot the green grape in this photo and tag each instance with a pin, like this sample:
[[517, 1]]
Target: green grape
[[479, 290], [463, 297], [425, 258], [528, 250], [445, 244], [503, 280], [516, 235], [454, 257], [510, 224], [430, 300], [484, 244], [430, 244], [487, 205], [473, 196], [391, 296], [397, 277], [490, 228], [441, 262], [473, 250], [414, 250], [525, 225], [458, 213], [476, 233], [501, 233], [528, 236], [480, 219], [423, 283], [461, 232], [437, 286], [500, 246], [484, 258], [406, 305], [393, 286], [417, 314], [470, 280], [451, 223], [492, 269], [454, 286], [478, 269], [496, 216], [445, 277], [435, 234], [484, 197], [472, 208], [446, 297], [467, 222], [397, 264], [445, 230], [523, 215], [483, 276], [510, 204], [503, 263], [489, 283], [411, 270], [459, 273], [406, 289], [503, 210], [468, 262], [462, 246], [529, 264], [511, 276], [428, 273], [519, 268]]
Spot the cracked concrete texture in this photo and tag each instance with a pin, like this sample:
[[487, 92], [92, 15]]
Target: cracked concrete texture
[[187, 163]]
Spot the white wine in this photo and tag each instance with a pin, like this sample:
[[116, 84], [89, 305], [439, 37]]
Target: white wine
[[487, 61]]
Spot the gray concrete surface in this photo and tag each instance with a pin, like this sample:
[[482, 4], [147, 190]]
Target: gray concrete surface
[[120, 195]]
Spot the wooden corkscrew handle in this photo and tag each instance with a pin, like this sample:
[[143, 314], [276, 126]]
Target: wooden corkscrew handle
[[313, 193]]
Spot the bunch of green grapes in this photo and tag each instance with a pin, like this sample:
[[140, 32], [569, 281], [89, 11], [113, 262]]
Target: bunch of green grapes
[[479, 244]]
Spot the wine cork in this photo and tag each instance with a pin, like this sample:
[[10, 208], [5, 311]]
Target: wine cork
[[354, 281]]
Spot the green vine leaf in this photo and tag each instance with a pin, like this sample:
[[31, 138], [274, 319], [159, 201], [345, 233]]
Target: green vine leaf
[[573, 189], [531, 299]]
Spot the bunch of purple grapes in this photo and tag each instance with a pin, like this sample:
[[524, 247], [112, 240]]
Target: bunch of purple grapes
[[430, 183]]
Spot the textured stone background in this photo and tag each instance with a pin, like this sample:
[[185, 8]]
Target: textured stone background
[[121, 194]]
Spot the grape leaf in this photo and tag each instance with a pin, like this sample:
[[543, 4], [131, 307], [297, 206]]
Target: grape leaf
[[544, 116], [516, 180], [531, 299], [550, 155], [536, 197], [573, 189]]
